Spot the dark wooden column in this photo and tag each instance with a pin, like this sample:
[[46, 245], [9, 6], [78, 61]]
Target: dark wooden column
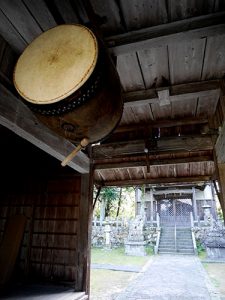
[[219, 154], [221, 174], [84, 242]]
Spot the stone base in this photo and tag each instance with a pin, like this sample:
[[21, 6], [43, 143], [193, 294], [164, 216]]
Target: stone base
[[135, 248], [215, 253]]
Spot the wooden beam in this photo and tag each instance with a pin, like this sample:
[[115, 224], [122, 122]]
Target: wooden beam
[[181, 92], [187, 143], [161, 124], [175, 191], [16, 116], [157, 181], [152, 162], [169, 33]]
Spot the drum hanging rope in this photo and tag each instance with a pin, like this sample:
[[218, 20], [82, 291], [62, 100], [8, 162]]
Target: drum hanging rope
[[82, 145]]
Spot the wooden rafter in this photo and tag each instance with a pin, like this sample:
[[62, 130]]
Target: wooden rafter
[[165, 34], [157, 162], [158, 181]]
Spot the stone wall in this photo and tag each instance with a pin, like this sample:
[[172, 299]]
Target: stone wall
[[212, 238], [119, 231]]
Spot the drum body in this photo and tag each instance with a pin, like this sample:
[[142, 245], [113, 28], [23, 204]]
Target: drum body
[[76, 92]]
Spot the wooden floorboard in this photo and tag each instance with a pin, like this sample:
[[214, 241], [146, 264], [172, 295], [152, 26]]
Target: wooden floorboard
[[43, 292]]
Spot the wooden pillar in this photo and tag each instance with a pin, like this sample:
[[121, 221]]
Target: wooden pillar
[[194, 204], [219, 153], [151, 206], [221, 173], [136, 201], [213, 201], [84, 243]]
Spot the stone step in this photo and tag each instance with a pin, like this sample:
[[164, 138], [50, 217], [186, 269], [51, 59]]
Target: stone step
[[167, 249], [183, 234], [184, 245], [185, 240], [186, 251], [167, 235], [179, 250], [175, 253], [166, 243]]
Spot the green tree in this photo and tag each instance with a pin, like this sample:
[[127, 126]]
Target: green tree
[[112, 201]]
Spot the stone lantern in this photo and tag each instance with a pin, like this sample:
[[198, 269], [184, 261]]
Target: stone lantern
[[207, 214]]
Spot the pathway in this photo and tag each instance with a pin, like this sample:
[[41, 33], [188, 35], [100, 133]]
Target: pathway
[[171, 277]]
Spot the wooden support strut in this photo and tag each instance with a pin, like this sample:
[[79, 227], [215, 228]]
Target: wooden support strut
[[84, 142]]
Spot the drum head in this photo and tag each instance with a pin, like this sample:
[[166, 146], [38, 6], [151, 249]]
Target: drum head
[[56, 64]]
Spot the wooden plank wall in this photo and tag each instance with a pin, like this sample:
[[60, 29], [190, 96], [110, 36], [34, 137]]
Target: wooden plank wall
[[54, 245]]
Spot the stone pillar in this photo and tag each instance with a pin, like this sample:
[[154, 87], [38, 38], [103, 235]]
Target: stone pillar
[[151, 206], [107, 237], [195, 211], [136, 200]]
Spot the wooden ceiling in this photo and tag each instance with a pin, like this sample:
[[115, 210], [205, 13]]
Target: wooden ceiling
[[170, 57]]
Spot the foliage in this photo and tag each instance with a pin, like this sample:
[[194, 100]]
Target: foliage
[[115, 201], [200, 249], [220, 213]]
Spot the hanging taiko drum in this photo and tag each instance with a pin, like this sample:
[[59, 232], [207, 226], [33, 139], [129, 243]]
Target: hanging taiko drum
[[68, 80]]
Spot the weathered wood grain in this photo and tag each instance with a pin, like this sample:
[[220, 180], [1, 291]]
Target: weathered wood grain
[[21, 19], [185, 61], [214, 62], [142, 13], [41, 13], [183, 9], [180, 92], [18, 118], [66, 11], [129, 72], [154, 66], [10, 34], [110, 15]]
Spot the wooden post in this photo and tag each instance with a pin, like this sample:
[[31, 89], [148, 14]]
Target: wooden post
[[151, 203], [213, 201], [84, 244], [194, 204], [221, 173], [136, 201]]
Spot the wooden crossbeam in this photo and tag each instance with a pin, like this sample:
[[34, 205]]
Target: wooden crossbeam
[[181, 92], [161, 124], [158, 181], [186, 143], [141, 162], [170, 33], [17, 117]]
